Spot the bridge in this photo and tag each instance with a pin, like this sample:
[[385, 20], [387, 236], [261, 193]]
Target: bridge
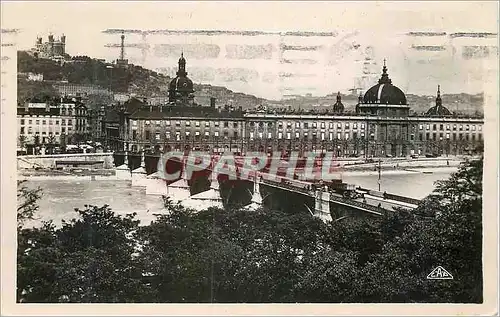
[[321, 201]]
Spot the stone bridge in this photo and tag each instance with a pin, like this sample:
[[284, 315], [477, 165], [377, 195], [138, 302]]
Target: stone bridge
[[263, 190], [281, 193]]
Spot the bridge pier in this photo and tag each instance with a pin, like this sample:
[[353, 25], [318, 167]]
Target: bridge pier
[[139, 174], [322, 204], [122, 172], [256, 201], [155, 185], [206, 199], [179, 190]]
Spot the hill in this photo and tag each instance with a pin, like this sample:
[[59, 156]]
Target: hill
[[86, 70], [462, 103], [133, 79]]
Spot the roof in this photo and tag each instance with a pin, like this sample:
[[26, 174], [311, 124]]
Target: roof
[[176, 111], [112, 116], [438, 110], [385, 92], [133, 104]]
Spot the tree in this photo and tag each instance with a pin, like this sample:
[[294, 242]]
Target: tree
[[27, 202], [447, 231], [22, 140], [89, 259], [265, 255]]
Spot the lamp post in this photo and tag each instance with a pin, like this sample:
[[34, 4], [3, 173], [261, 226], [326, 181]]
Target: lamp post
[[379, 173]]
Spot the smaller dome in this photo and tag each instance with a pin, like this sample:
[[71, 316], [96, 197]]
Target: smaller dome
[[438, 110], [338, 107], [181, 86]]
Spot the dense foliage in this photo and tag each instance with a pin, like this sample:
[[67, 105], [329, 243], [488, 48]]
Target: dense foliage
[[262, 256]]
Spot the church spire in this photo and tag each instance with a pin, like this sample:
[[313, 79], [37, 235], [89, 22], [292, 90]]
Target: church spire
[[182, 66], [439, 102], [385, 77]]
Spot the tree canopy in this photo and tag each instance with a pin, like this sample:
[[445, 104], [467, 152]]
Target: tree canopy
[[268, 256]]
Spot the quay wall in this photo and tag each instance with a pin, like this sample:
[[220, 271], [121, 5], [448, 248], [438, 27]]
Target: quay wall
[[49, 161]]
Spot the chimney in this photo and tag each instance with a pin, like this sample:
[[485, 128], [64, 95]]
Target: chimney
[[212, 102]]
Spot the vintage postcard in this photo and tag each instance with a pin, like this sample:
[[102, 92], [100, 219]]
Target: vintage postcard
[[249, 158]]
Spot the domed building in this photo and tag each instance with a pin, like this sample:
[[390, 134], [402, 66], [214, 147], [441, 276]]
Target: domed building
[[338, 107], [438, 110], [384, 99], [180, 90]]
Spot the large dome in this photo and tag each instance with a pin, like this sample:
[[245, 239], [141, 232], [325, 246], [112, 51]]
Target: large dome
[[385, 92]]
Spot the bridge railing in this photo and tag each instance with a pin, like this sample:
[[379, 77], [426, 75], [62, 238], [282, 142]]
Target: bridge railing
[[403, 199], [357, 204], [343, 200], [286, 185]]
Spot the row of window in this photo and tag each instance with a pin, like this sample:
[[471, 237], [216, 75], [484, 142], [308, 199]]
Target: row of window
[[305, 135], [227, 124], [44, 122], [307, 125], [168, 123], [177, 135], [449, 127], [448, 136], [30, 131], [323, 136]]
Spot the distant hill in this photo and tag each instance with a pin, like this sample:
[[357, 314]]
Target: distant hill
[[148, 83], [463, 103]]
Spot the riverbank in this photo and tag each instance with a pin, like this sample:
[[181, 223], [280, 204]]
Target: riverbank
[[342, 172], [92, 174]]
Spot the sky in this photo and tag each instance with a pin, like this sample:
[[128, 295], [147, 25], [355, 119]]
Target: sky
[[381, 26]]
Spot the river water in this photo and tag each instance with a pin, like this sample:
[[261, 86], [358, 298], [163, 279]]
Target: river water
[[61, 197]]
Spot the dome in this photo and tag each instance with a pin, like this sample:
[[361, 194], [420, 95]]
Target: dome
[[385, 92], [181, 87], [181, 84], [338, 107], [438, 110]]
